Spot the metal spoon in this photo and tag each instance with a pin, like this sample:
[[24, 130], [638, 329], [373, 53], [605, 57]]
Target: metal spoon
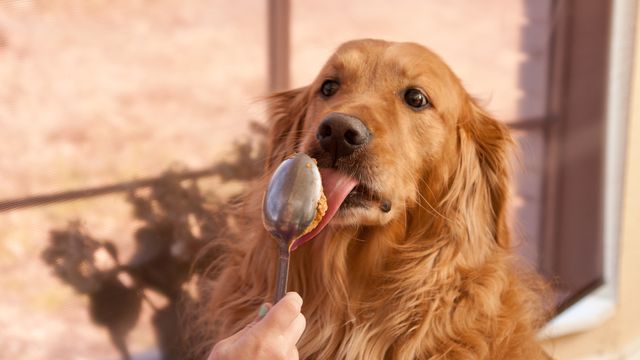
[[289, 206]]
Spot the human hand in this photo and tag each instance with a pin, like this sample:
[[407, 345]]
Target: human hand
[[273, 336]]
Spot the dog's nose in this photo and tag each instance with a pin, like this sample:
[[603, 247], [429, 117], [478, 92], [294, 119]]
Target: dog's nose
[[341, 134]]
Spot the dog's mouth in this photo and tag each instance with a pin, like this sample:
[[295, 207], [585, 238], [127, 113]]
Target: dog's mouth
[[360, 196], [343, 192], [353, 192]]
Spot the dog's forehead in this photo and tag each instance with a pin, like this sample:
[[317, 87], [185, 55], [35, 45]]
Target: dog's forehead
[[414, 60], [406, 60], [356, 53]]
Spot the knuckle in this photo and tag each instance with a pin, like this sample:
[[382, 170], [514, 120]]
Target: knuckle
[[217, 353], [300, 321], [270, 350], [259, 350]]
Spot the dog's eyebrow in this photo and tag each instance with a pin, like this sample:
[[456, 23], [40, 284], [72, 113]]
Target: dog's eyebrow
[[409, 69], [416, 72], [350, 58], [336, 66]]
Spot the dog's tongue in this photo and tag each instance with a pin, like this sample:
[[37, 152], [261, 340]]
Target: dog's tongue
[[336, 187]]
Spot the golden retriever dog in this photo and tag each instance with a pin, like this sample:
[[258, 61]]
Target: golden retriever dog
[[416, 263]]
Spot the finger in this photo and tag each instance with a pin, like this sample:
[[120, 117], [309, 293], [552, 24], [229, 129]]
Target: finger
[[282, 314], [295, 330]]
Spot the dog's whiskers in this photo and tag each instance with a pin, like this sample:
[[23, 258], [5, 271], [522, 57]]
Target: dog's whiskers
[[417, 181]]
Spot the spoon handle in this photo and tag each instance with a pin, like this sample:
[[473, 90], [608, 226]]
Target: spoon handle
[[283, 273]]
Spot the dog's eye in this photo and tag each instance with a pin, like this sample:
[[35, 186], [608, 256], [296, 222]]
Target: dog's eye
[[416, 99], [329, 87]]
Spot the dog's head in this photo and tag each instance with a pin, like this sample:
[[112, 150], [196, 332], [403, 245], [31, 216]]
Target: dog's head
[[396, 118]]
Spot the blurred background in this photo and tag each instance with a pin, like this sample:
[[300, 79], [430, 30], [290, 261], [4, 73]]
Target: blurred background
[[125, 126]]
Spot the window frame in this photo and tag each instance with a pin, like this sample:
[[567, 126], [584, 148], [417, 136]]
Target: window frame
[[571, 246], [597, 304]]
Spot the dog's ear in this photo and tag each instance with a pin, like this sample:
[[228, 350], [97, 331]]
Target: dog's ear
[[286, 111], [484, 145]]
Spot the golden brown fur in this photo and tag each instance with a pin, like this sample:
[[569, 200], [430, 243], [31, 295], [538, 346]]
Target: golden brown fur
[[432, 278]]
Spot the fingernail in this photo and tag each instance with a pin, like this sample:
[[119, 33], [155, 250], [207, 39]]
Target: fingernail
[[262, 311]]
